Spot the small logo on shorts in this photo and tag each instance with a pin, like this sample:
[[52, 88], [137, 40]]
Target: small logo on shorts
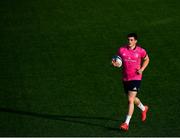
[[134, 88]]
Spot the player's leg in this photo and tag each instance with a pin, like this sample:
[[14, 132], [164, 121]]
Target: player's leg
[[136, 84], [131, 98], [139, 104], [143, 108]]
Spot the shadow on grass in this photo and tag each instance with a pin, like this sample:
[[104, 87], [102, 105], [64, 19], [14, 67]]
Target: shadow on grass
[[67, 118]]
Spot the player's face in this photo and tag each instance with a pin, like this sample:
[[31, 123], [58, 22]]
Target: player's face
[[132, 41]]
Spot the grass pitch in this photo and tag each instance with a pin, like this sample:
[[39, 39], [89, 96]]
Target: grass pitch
[[55, 72]]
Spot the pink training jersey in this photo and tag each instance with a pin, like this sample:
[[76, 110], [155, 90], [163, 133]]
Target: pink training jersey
[[132, 59]]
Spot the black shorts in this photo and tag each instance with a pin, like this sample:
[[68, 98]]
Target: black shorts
[[133, 85]]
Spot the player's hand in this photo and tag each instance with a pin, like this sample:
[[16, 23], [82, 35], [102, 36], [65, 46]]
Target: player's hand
[[140, 71], [115, 64]]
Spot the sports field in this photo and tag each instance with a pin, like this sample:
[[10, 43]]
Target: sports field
[[55, 73]]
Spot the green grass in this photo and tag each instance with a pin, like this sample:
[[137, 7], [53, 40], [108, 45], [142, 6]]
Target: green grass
[[55, 72]]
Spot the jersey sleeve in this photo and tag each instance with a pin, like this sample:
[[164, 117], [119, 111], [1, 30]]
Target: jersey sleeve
[[143, 53]]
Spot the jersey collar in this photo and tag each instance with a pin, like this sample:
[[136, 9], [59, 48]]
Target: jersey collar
[[130, 48]]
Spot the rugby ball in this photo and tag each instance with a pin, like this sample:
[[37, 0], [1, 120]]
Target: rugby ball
[[118, 60]]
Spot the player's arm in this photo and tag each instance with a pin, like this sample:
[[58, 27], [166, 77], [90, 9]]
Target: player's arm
[[144, 64]]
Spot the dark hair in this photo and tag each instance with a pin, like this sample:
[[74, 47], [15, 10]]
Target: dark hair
[[132, 35]]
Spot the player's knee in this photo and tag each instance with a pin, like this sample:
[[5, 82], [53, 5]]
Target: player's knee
[[131, 100]]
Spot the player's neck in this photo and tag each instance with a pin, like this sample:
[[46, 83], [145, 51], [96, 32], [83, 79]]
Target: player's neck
[[132, 47]]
